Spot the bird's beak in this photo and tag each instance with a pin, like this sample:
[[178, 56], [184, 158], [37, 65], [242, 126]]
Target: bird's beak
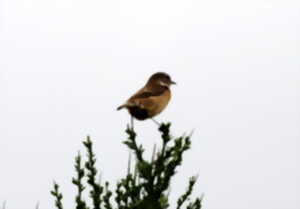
[[173, 82]]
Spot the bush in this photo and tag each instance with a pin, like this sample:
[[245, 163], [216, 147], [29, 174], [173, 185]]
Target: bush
[[144, 188]]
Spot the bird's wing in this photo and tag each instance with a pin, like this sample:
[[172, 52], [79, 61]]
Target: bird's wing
[[153, 103], [145, 93], [144, 98]]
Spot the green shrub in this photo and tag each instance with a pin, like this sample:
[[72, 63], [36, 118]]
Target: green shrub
[[144, 188]]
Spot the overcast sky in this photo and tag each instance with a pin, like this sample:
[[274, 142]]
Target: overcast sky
[[65, 65]]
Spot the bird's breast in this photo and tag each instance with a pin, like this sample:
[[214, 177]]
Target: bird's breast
[[160, 103]]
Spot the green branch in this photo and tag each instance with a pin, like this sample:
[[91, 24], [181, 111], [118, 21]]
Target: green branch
[[57, 195], [97, 189], [80, 203]]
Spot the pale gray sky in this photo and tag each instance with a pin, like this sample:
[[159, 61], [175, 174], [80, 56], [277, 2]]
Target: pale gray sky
[[65, 65]]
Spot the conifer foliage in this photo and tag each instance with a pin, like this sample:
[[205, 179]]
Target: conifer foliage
[[146, 187]]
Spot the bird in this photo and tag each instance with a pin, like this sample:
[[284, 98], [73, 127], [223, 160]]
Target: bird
[[150, 100]]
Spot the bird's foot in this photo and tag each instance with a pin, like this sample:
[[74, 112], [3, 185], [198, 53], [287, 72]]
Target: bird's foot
[[157, 123]]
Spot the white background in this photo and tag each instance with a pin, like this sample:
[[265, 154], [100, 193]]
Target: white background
[[65, 65]]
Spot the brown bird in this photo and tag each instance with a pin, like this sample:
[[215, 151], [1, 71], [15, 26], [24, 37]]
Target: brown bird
[[151, 99]]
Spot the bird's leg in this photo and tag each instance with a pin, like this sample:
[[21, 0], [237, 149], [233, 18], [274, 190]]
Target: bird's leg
[[131, 120], [157, 123]]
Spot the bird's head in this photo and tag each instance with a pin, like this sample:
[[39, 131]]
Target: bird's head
[[160, 79]]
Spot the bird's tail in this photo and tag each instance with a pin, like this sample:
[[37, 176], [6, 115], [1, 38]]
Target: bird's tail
[[121, 107], [127, 105]]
